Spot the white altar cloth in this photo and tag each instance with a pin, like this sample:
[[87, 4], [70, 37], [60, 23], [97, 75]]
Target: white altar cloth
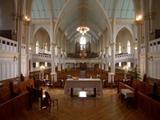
[[83, 83]]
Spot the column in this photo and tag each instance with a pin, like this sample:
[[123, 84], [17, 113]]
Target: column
[[63, 64], [102, 61], [106, 59], [112, 57], [147, 20], [59, 59], [19, 19], [27, 39], [53, 68]]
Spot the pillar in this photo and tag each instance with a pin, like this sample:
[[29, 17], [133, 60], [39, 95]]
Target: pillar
[[113, 57], [147, 20], [59, 59], [19, 19], [106, 59], [27, 39], [53, 65]]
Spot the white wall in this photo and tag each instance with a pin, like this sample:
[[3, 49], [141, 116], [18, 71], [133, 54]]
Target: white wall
[[8, 68]]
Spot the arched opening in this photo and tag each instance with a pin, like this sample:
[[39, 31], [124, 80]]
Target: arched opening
[[41, 42], [41, 45], [124, 45]]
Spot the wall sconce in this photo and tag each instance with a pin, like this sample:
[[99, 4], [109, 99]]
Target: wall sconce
[[139, 17], [27, 19]]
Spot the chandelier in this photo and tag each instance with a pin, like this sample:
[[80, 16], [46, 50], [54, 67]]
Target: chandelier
[[83, 29]]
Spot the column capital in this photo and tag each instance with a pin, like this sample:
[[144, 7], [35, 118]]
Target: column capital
[[112, 43], [58, 47], [53, 44], [106, 47]]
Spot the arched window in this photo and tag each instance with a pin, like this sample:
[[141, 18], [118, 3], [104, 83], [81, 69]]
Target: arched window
[[119, 48], [128, 47], [37, 47], [109, 51], [82, 43], [120, 51], [56, 51], [46, 48]]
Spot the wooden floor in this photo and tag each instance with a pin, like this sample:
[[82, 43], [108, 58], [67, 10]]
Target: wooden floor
[[107, 107]]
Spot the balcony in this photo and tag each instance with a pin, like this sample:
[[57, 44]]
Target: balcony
[[124, 58], [10, 46], [41, 57]]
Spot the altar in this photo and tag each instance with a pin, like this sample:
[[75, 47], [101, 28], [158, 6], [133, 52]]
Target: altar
[[85, 84]]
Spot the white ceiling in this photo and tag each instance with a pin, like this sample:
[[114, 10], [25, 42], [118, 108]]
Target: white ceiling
[[83, 12], [44, 9], [123, 8]]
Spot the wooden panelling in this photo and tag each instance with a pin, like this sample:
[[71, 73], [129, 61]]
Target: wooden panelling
[[14, 106], [148, 105]]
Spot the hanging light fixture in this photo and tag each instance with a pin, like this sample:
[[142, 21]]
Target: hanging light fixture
[[83, 29]]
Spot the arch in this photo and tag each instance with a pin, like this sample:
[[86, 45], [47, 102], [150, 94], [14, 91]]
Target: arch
[[61, 15], [125, 40], [41, 27], [42, 39], [122, 28]]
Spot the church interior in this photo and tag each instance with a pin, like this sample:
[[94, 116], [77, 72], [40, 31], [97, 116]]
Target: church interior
[[79, 59]]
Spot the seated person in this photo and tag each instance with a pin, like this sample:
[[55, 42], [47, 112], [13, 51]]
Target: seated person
[[22, 77], [46, 101]]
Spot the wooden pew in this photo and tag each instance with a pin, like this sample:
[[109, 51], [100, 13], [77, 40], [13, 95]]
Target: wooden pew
[[143, 101], [8, 89], [148, 105], [5, 93], [22, 86], [14, 106]]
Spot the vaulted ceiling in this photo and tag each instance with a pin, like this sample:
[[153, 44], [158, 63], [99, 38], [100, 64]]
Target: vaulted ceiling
[[120, 8], [44, 9], [83, 12]]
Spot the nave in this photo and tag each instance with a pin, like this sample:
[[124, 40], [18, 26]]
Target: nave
[[114, 44], [107, 107]]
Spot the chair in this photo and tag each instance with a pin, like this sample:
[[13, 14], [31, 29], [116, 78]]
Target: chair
[[46, 102]]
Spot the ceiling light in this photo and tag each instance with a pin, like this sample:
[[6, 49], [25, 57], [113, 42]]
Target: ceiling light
[[83, 29]]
